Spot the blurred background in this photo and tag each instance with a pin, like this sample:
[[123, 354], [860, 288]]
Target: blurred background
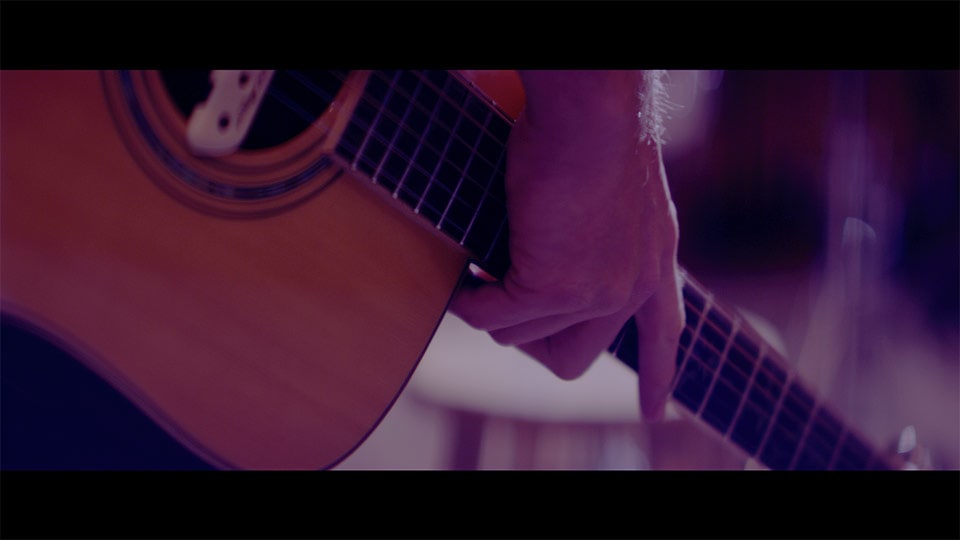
[[821, 204]]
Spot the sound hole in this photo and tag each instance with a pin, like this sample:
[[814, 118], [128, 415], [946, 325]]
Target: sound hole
[[284, 160], [293, 102]]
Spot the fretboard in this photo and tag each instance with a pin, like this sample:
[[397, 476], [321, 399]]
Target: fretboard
[[441, 149], [439, 146], [732, 380]]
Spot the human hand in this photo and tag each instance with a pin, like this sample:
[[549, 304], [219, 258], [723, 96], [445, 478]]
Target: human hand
[[593, 233]]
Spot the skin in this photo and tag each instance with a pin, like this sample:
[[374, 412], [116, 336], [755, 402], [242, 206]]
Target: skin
[[593, 238]]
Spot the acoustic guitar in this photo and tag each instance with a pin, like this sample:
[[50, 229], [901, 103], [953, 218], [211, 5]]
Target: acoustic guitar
[[259, 259]]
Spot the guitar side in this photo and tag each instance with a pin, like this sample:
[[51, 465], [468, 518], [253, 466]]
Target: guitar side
[[270, 342]]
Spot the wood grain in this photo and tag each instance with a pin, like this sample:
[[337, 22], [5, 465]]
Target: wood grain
[[276, 342]]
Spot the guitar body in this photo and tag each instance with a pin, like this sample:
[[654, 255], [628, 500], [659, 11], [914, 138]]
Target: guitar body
[[269, 335]]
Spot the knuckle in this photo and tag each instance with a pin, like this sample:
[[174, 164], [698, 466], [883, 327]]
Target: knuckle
[[648, 279], [567, 363], [570, 368], [467, 317], [502, 338], [614, 296], [570, 297]]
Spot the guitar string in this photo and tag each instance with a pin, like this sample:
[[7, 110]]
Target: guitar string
[[746, 396], [451, 132], [755, 360], [291, 104], [488, 204], [818, 404], [758, 363], [746, 331], [452, 195], [772, 422]]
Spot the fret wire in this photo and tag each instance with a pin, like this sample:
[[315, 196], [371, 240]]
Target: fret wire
[[744, 398], [742, 405], [720, 363], [411, 105], [441, 93], [496, 237], [742, 394], [841, 439], [412, 165], [758, 368], [373, 128], [401, 126], [705, 321], [691, 356], [476, 144], [443, 155], [285, 100], [716, 375], [776, 410], [421, 141], [847, 434], [416, 152], [411, 159], [826, 428], [400, 187], [781, 420], [483, 198], [405, 189], [390, 145], [320, 92], [486, 122], [803, 436], [456, 191], [755, 361], [850, 435], [461, 110], [695, 335]]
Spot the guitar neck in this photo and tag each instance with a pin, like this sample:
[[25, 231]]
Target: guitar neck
[[728, 377], [439, 146]]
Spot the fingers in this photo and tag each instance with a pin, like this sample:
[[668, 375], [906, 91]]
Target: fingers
[[592, 232], [496, 306], [569, 353], [565, 343], [659, 324], [515, 314]]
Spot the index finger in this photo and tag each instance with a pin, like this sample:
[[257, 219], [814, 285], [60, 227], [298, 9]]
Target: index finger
[[659, 324]]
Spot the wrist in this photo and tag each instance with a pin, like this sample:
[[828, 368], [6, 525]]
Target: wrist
[[653, 107], [618, 101]]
